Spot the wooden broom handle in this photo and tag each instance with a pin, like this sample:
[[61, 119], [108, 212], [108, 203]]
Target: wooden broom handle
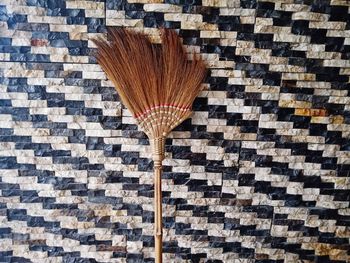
[[158, 156], [158, 226]]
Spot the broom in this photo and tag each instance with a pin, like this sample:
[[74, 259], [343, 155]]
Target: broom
[[158, 84]]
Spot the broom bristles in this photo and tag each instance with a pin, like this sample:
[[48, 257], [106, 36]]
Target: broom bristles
[[150, 77]]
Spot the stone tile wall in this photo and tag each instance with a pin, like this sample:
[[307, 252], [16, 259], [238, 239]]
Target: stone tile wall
[[260, 173]]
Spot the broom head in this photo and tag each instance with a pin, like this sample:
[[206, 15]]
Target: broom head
[[156, 82]]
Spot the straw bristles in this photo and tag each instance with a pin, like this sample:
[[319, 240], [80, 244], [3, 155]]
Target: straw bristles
[[152, 80]]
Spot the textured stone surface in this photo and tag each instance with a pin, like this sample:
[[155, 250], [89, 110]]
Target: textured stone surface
[[259, 173]]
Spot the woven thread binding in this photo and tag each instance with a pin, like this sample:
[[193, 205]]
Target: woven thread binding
[[160, 120]]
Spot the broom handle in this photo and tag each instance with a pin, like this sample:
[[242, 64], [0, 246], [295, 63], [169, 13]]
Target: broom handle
[[158, 156], [158, 227]]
